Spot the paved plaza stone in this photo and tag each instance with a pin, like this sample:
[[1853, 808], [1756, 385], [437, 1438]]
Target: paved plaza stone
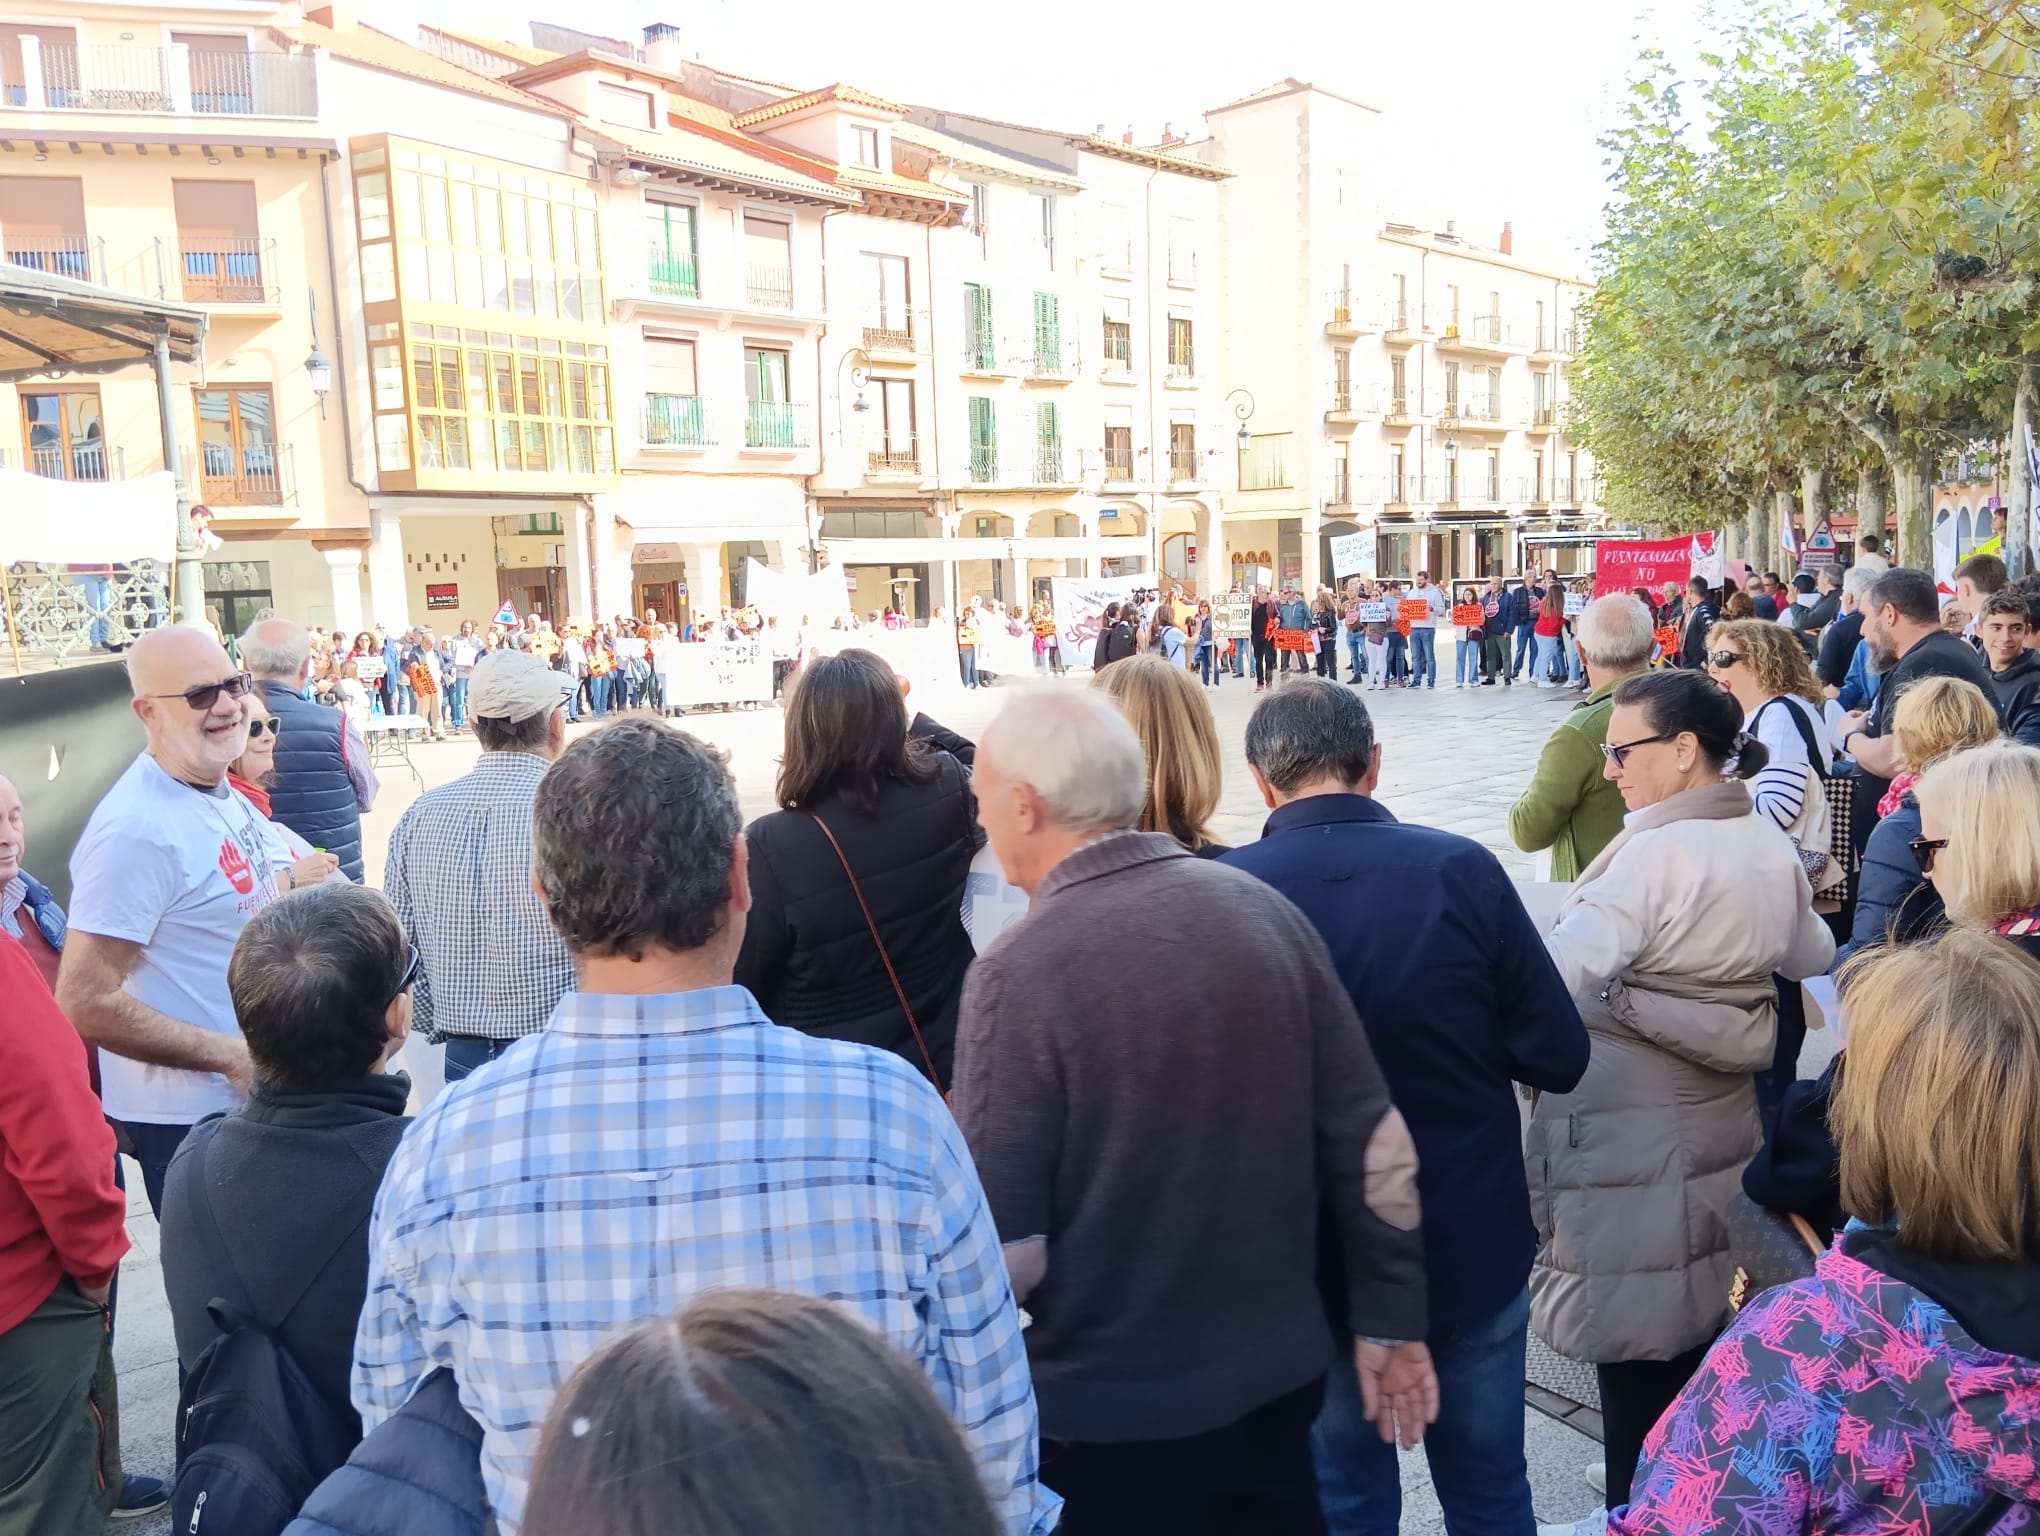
[[1451, 758]]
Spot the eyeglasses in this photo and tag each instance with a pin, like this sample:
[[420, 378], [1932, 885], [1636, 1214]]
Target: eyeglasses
[[1619, 755], [1923, 851], [257, 729], [1723, 659], [410, 977], [205, 695]]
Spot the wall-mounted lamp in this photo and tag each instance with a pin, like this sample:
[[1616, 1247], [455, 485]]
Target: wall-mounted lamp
[[1244, 409], [318, 367]]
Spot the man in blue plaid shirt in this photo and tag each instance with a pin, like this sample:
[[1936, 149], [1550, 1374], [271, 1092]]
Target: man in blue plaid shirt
[[661, 1136]]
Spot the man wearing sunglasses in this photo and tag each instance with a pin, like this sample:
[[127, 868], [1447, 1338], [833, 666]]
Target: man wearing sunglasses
[[171, 867]]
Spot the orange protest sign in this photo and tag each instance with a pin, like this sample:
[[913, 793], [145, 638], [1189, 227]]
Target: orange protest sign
[[1668, 640], [1413, 610], [1468, 614], [1292, 639]]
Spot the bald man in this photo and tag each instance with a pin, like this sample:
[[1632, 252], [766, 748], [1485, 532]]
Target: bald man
[[170, 868]]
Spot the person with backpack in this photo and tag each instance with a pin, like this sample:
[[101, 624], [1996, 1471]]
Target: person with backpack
[[266, 1209]]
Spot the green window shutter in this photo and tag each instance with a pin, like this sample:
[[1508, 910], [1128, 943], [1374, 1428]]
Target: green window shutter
[[1048, 332], [978, 321], [980, 422], [1048, 425]]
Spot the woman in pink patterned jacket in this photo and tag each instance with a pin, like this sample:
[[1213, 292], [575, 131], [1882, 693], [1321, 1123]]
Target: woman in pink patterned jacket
[[1897, 1389]]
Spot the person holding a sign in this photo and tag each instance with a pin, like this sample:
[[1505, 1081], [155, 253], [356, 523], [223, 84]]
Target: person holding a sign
[[1295, 618], [1423, 631], [1468, 622]]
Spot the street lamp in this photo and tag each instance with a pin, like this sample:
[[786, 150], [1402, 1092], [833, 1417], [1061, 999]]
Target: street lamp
[[1244, 409], [318, 366]]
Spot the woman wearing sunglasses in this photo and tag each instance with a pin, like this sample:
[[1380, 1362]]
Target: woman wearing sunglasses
[[1933, 718], [251, 774], [1668, 944], [1979, 840]]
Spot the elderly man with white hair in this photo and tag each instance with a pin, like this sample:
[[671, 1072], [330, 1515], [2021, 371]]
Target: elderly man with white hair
[[323, 780], [1160, 1108], [1568, 806]]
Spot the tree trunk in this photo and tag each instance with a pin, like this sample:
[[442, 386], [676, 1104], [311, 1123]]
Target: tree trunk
[[1774, 557], [1761, 533], [1912, 493], [1873, 503], [2019, 477], [1814, 503]]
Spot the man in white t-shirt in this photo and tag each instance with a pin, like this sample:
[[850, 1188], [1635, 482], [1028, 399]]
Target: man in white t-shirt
[[1423, 648], [171, 866]]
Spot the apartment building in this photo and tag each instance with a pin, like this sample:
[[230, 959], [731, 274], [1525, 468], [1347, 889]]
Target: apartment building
[[180, 152], [1408, 381]]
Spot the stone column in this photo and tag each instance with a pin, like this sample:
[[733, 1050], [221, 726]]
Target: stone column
[[343, 566], [388, 589], [580, 575]]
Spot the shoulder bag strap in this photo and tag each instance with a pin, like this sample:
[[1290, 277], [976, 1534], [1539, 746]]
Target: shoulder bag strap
[[885, 959], [1816, 755]]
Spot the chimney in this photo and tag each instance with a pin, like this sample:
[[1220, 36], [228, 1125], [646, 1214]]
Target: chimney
[[1508, 238], [662, 47], [1127, 137], [1452, 229], [1101, 131]]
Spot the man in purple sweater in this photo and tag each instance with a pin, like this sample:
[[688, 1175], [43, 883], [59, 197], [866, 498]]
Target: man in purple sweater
[[1161, 1109]]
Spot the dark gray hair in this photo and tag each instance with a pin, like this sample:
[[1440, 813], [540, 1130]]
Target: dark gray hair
[[527, 735], [1911, 592], [633, 833], [1310, 729], [311, 977]]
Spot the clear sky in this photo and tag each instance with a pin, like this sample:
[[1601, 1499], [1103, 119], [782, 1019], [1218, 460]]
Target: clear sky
[[1493, 105]]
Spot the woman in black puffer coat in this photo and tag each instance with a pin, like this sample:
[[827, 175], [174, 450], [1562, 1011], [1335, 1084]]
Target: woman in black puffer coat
[[902, 820]]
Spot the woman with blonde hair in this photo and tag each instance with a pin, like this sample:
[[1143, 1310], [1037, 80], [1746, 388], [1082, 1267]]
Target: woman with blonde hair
[[1172, 718], [1936, 716], [1979, 842], [1895, 1385]]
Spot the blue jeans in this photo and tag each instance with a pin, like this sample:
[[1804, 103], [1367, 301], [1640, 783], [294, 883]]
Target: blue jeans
[[966, 665], [1466, 662], [1356, 653], [154, 1146], [468, 1053], [1525, 633], [1204, 663], [1398, 654], [407, 699], [1475, 1449], [456, 701], [599, 688], [1423, 658], [1239, 658]]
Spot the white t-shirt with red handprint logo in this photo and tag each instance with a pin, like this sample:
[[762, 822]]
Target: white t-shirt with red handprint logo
[[179, 872]]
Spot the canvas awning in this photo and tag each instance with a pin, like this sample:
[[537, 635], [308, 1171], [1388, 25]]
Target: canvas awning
[[55, 325]]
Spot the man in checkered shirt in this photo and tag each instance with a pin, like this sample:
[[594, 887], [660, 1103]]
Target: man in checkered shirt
[[459, 874], [661, 1137]]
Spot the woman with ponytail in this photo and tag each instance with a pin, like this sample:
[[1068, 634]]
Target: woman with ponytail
[[1668, 942]]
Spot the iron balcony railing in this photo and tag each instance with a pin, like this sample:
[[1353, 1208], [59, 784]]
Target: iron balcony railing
[[252, 477], [228, 270], [1488, 330], [76, 461], [672, 277], [981, 351], [675, 421], [1398, 404], [1183, 365], [1184, 465], [1555, 339], [896, 455], [1342, 489], [1561, 488], [1119, 463], [892, 329], [984, 464], [1048, 464], [1399, 317], [119, 77], [774, 424], [59, 255], [769, 287]]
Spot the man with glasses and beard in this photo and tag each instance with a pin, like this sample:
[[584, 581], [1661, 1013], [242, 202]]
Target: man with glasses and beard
[[172, 865]]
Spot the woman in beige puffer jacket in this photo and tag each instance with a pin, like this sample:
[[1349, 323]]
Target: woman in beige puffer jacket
[[1668, 943]]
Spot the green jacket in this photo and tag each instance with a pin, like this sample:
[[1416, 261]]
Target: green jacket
[[1568, 806]]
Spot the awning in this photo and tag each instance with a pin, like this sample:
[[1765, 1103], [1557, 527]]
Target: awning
[[55, 325]]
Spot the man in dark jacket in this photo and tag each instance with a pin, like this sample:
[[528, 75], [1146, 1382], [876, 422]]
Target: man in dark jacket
[[1115, 639], [1263, 647], [1455, 1018], [321, 986], [1700, 614], [323, 781], [1521, 619], [1807, 620], [1178, 1349], [1838, 643], [2014, 670]]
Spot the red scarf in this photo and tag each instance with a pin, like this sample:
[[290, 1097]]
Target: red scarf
[[1901, 786], [259, 798], [2021, 924]]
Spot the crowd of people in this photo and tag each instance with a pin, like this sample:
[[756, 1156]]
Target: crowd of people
[[763, 1195]]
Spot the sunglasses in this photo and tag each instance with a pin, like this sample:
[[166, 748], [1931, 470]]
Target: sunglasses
[[257, 729], [410, 977], [205, 695], [1923, 851], [1723, 659], [1619, 755]]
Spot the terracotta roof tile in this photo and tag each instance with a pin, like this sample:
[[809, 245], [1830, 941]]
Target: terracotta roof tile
[[361, 44], [687, 148], [501, 46], [791, 104]]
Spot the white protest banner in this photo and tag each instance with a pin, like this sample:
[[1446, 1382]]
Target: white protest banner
[[1002, 651], [1374, 613], [1231, 616], [1080, 603], [1353, 554], [1576, 604], [720, 673]]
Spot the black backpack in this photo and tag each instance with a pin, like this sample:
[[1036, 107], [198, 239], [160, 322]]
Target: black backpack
[[254, 1436]]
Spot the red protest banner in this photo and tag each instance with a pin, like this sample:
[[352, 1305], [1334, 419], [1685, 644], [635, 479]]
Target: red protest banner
[[1620, 565], [1292, 639]]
